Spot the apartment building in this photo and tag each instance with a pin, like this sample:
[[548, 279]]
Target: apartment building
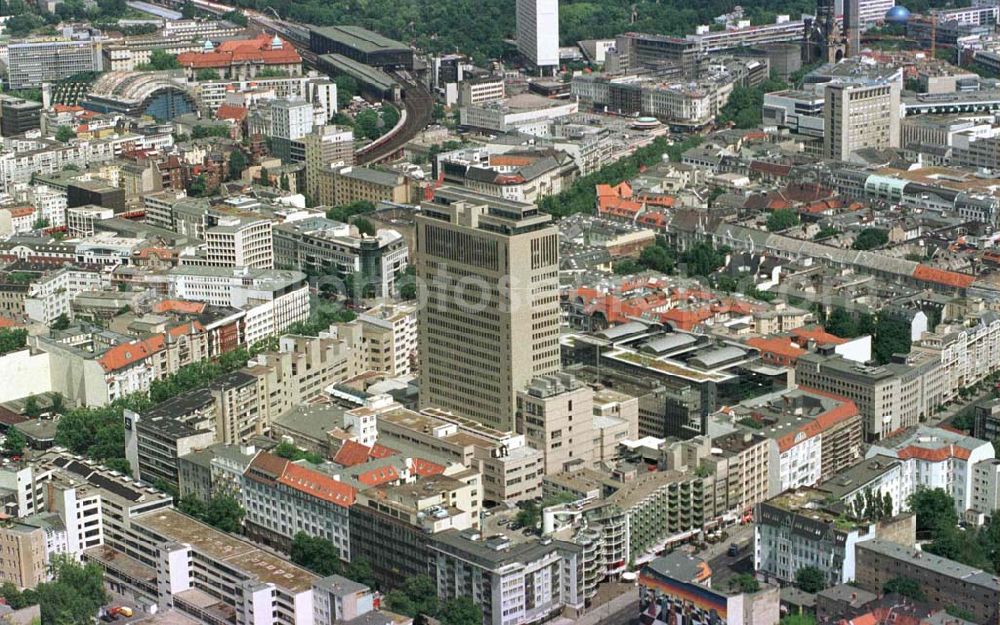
[[882, 475], [273, 299], [795, 530], [513, 582], [321, 245], [31, 63], [23, 555], [283, 498], [889, 397], [389, 338], [511, 469], [214, 471], [237, 242], [481, 90], [737, 464], [205, 574], [813, 435], [944, 583], [392, 526], [324, 147], [476, 355], [938, 458], [51, 295], [969, 351], [555, 413], [343, 185]]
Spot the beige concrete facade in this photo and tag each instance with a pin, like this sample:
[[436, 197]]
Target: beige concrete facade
[[555, 413], [491, 320]]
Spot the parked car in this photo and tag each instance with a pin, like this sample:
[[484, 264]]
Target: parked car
[[734, 550]]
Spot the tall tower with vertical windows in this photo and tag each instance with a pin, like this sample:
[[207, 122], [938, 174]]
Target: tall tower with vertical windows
[[538, 32], [489, 323]]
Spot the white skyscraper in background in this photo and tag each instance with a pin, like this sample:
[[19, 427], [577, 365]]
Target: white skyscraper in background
[[538, 31]]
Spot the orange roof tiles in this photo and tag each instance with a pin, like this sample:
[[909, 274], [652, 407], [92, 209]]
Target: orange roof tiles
[[381, 451], [317, 484], [939, 454], [21, 211], [257, 50], [776, 345], [352, 453], [379, 476], [926, 273], [426, 468], [815, 333], [126, 354], [231, 111], [9, 323], [179, 306], [843, 411]]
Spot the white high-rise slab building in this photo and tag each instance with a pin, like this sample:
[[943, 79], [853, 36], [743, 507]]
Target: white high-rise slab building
[[538, 31]]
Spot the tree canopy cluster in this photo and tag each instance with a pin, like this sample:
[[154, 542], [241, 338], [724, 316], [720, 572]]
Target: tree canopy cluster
[[74, 595], [322, 557], [291, 452], [12, 339], [890, 335], [782, 219], [418, 597], [222, 512], [870, 238], [745, 106], [159, 60], [937, 520], [581, 196]]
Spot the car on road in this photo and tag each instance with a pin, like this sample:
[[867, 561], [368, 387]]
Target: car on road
[[734, 550]]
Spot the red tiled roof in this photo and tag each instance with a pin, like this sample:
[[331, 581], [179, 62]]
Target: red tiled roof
[[257, 50], [269, 464], [939, 454], [21, 211], [317, 484], [9, 323], [352, 453], [776, 345], [379, 476], [843, 411], [231, 111], [426, 468], [926, 273], [815, 333], [126, 354], [381, 451], [179, 306]]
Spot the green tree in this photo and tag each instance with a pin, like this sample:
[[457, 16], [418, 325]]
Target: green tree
[[935, 510], [41, 223], [316, 554], [905, 586], [160, 60], [206, 74], [347, 88], [202, 131], [198, 186], [291, 452], [782, 219], [745, 106], [703, 260], [360, 570], [658, 258], [61, 322], [235, 17], [744, 582], [58, 402], [798, 619], [31, 407], [15, 442], [460, 611], [892, 336], [417, 595], [64, 134], [870, 238], [810, 579], [237, 164], [21, 25], [825, 233], [364, 226], [12, 339], [347, 211], [222, 512], [626, 267]]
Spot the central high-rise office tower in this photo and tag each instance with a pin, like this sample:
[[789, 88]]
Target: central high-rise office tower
[[489, 270], [538, 32]]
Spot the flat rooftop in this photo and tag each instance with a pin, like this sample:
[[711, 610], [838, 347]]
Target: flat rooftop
[[911, 557], [234, 552]]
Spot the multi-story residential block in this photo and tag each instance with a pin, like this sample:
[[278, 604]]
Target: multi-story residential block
[[679, 586], [813, 435], [986, 487], [389, 338], [943, 582], [392, 526], [321, 245], [50, 296], [938, 458], [353, 184], [213, 471], [283, 498], [512, 471], [24, 563], [882, 475], [795, 530], [513, 582], [481, 90], [31, 63], [969, 352], [322, 149], [555, 413], [630, 516], [476, 355], [889, 397], [273, 299]]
